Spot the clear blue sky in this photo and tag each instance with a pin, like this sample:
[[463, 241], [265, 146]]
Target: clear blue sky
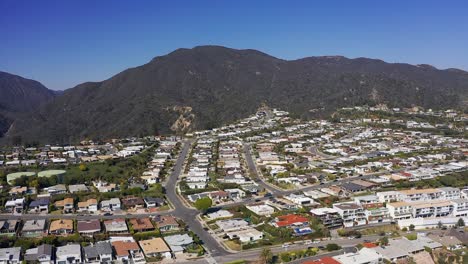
[[63, 43]]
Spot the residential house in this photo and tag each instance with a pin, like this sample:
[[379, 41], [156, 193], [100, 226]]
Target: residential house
[[141, 224], [116, 226], [235, 193], [300, 200], [128, 251], [167, 223], [363, 256], [56, 189], [40, 205], [68, 254], [112, 204], [330, 217], [8, 227], [155, 247], [460, 207], [133, 202], [33, 228], [101, 252], [290, 220], [89, 206], [246, 235], [228, 225], [89, 227], [261, 209], [61, 227], [352, 213], [10, 255], [43, 254], [153, 202], [78, 188], [66, 205], [15, 206], [178, 243]]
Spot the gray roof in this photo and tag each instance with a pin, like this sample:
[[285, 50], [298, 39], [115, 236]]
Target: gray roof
[[34, 253], [98, 249], [104, 247], [90, 252], [391, 252], [78, 188], [34, 225], [9, 254], [177, 242], [70, 249]]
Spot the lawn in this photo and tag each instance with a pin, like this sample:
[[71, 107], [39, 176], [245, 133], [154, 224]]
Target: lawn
[[234, 245]]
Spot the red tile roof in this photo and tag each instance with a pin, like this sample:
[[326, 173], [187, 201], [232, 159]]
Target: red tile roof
[[369, 245], [324, 260], [291, 219]]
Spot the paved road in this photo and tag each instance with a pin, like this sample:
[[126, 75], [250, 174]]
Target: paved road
[[189, 215], [315, 151], [254, 253], [253, 169]]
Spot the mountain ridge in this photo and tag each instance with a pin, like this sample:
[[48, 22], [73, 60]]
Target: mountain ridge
[[207, 86], [18, 96]]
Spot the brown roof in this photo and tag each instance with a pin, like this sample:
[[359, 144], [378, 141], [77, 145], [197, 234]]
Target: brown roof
[[122, 247], [154, 245], [87, 203], [364, 183], [87, 225], [63, 202], [61, 224], [141, 223], [167, 220], [132, 201]]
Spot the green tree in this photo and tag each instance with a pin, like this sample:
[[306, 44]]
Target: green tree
[[83, 167], [461, 222], [266, 257], [411, 227], [203, 204], [384, 241], [333, 247]]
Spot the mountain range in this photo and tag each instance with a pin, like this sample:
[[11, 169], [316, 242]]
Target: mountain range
[[19, 96], [207, 86]]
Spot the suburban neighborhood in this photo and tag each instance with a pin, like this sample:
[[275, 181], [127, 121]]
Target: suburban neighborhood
[[369, 185]]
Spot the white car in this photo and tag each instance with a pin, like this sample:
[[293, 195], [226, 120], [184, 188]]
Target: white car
[[307, 242], [286, 245]]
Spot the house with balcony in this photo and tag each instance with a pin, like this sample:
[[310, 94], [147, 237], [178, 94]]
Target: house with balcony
[[377, 215], [112, 204], [39, 205], [400, 210], [128, 251], [67, 205], [330, 217], [460, 207], [352, 213], [15, 206], [88, 206]]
